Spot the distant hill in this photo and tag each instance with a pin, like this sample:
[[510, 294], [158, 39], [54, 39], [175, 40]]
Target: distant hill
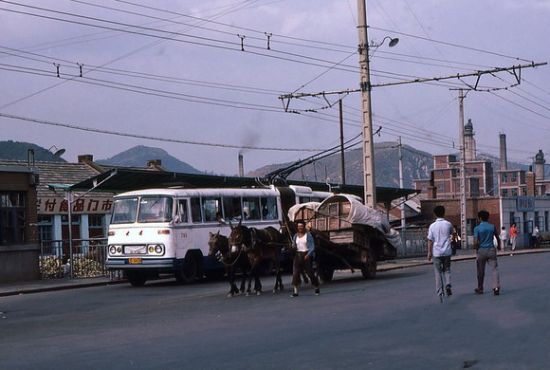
[[416, 164], [138, 156], [16, 150]]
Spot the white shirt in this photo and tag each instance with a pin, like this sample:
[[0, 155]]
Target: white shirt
[[440, 234], [301, 243], [504, 234]]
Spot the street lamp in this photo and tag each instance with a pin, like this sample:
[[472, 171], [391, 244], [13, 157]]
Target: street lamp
[[393, 41], [368, 145], [58, 152]]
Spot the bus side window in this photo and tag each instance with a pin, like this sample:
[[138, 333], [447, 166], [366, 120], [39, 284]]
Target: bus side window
[[211, 209], [269, 208], [196, 210], [232, 208], [251, 208], [182, 210]]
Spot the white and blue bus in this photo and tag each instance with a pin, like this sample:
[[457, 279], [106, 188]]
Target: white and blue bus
[[167, 230]]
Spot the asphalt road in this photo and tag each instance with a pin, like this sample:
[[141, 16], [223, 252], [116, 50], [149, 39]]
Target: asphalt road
[[393, 322]]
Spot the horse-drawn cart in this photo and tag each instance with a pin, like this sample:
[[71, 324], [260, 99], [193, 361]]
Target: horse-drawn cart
[[348, 235]]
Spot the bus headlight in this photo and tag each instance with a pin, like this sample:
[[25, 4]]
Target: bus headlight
[[155, 249], [115, 249]]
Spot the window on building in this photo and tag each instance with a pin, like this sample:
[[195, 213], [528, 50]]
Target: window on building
[[546, 221], [504, 177], [504, 192], [12, 217], [96, 226], [474, 187], [514, 192], [45, 224], [513, 177]]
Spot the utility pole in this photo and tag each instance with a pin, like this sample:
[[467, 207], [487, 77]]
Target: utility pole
[[342, 161], [464, 236], [401, 184], [368, 147], [402, 206]]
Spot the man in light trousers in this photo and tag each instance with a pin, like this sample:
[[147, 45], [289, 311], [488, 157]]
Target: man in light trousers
[[439, 249]]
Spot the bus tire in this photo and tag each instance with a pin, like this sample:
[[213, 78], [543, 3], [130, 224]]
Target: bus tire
[[136, 278], [368, 263], [188, 270]]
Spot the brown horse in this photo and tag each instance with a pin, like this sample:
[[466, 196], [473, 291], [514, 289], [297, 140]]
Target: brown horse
[[232, 260], [259, 245]]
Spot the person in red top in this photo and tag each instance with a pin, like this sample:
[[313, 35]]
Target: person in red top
[[513, 236]]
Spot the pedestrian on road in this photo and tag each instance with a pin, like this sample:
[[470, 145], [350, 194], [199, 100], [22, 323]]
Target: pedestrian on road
[[513, 236], [439, 249], [503, 237], [484, 233], [536, 236], [304, 245]]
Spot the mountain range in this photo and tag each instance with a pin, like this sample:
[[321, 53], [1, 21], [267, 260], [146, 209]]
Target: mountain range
[[417, 164]]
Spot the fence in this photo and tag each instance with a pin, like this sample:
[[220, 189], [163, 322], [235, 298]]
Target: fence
[[88, 258], [413, 243]]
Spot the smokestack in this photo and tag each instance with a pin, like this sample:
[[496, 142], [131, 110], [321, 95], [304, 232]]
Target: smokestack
[[503, 154], [241, 165], [539, 165]]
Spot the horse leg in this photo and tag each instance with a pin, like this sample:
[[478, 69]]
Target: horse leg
[[232, 287]]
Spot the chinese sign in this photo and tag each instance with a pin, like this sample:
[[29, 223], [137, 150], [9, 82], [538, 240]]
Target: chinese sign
[[82, 205]]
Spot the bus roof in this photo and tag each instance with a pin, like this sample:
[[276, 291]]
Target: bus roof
[[227, 192]]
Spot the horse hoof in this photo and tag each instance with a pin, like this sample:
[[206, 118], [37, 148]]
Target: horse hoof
[[229, 295], [247, 294], [258, 293]]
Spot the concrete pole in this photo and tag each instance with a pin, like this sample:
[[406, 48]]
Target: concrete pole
[[402, 206], [463, 235], [70, 221], [342, 160], [368, 147]]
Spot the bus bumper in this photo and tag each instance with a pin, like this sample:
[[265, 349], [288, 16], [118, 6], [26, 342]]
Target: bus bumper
[[125, 263]]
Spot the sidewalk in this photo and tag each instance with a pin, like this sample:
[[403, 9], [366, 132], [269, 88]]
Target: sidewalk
[[38, 286]]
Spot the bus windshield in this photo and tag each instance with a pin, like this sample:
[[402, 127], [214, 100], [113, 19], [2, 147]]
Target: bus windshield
[[124, 210], [155, 209]]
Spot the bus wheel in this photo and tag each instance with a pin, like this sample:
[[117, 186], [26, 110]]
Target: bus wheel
[[368, 263], [188, 271], [136, 278]]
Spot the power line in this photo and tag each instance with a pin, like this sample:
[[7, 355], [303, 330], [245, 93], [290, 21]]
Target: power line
[[123, 134]]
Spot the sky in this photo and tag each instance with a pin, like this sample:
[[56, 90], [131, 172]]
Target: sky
[[197, 79]]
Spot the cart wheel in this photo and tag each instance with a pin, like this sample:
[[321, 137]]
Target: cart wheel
[[326, 273], [368, 264]]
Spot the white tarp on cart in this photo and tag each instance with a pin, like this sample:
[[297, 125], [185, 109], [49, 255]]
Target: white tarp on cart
[[365, 215], [295, 209]]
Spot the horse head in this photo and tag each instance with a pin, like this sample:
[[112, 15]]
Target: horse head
[[239, 238], [217, 243]]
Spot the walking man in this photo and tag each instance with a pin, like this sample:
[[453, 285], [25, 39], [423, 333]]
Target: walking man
[[503, 238], [439, 249], [486, 252]]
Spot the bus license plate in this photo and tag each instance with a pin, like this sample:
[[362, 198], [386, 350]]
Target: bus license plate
[[134, 261]]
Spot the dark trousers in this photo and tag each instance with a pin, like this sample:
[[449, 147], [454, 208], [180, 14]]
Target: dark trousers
[[301, 264]]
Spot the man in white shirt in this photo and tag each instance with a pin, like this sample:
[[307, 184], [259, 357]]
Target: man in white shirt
[[439, 249]]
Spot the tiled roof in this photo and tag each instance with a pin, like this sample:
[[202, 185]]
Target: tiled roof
[[54, 173]]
